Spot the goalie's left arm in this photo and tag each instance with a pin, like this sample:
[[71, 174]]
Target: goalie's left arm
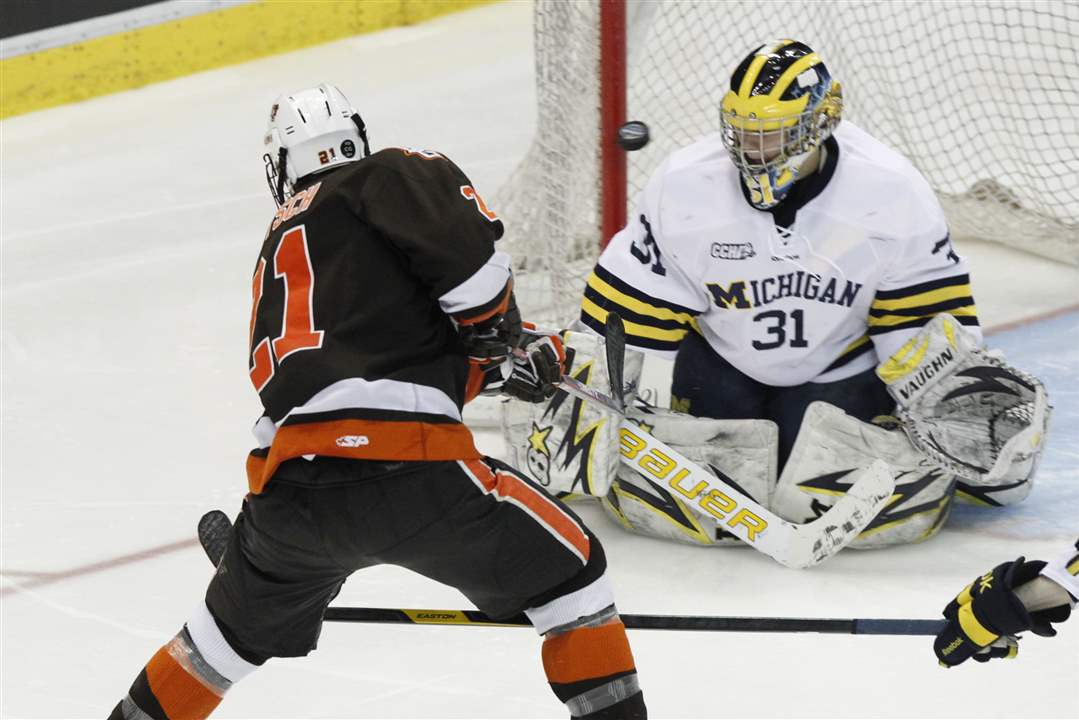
[[970, 412]]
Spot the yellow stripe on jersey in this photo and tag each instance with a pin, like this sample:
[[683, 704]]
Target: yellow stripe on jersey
[[930, 297], [887, 320], [1073, 567], [631, 303], [633, 328]]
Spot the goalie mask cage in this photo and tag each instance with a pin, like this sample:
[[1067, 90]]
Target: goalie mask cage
[[982, 96]]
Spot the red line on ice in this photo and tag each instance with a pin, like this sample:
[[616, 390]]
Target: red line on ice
[[48, 578], [1048, 315]]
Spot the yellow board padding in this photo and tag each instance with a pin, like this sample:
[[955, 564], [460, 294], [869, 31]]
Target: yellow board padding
[[168, 50]]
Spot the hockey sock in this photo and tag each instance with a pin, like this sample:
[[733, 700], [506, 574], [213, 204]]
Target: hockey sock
[[177, 684], [590, 667], [185, 679]]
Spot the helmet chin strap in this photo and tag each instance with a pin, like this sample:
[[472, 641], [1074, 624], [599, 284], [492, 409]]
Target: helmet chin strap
[[281, 172], [363, 133], [809, 163]]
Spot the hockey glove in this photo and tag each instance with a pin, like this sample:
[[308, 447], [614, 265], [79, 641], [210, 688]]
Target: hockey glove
[[537, 367], [494, 337], [968, 411], [984, 619]]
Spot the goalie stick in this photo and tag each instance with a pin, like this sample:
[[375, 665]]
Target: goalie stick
[[789, 544], [215, 526]]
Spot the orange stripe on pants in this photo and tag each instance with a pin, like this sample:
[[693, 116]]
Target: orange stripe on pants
[[587, 652], [507, 486], [179, 693]]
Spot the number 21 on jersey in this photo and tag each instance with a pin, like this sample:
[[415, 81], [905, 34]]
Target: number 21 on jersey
[[292, 263]]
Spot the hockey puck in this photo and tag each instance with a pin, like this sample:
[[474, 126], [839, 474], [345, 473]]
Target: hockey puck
[[633, 136]]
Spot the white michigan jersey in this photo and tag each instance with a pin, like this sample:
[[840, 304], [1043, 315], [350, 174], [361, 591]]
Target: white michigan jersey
[[841, 273]]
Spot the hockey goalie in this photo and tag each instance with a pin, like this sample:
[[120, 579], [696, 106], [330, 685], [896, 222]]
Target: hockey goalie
[[800, 275]]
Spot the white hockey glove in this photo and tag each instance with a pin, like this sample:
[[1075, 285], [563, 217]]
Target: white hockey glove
[[969, 411]]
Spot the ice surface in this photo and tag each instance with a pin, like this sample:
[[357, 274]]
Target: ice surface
[[130, 224]]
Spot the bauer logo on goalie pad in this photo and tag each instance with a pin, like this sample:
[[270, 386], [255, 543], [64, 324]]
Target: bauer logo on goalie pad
[[714, 502]]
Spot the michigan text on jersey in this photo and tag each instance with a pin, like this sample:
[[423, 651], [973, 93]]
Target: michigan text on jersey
[[799, 284]]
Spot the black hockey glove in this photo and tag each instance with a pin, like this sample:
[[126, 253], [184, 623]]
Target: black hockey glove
[[494, 337], [534, 370], [984, 619]]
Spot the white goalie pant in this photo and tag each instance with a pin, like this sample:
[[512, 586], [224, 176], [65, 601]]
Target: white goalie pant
[[831, 447]]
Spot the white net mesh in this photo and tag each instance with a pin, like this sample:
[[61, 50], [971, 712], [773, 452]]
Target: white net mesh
[[981, 96]]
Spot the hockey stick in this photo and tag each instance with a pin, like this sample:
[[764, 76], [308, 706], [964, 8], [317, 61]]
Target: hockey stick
[[790, 544], [215, 526]]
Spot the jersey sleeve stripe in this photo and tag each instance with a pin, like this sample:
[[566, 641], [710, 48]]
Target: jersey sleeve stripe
[[613, 287], [907, 323], [932, 297], [632, 328], [597, 324], [630, 315], [931, 309], [925, 287], [1064, 571], [498, 304], [486, 284], [968, 311]]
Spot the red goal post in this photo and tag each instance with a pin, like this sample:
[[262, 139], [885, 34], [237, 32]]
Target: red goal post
[[981, 96]]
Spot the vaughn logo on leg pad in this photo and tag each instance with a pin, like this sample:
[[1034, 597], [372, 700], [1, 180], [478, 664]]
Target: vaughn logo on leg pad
[[352, 441]]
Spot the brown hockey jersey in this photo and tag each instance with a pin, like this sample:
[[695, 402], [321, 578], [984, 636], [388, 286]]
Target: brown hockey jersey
[[353, 350]]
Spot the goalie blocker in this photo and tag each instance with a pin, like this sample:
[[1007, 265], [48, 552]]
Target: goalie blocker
[[571, 448]]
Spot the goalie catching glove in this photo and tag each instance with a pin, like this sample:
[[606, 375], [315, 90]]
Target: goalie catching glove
[[969, 412], [984, 619]]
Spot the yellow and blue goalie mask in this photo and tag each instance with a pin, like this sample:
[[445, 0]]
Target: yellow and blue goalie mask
[[782, 104]]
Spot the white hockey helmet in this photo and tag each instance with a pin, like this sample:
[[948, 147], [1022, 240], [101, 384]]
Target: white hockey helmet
[[310, 131]]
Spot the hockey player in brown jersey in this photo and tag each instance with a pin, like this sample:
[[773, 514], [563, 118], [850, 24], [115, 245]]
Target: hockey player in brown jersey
[[380, 307]]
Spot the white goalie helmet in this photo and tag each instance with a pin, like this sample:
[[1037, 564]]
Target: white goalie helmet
[[310, 131]]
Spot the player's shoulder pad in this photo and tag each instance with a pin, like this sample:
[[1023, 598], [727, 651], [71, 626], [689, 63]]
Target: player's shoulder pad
[[413, 161], [696, 176], [879, 168], [873, 175]]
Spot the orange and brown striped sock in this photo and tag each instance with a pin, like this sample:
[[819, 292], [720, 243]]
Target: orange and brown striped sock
[[177, 684], [590, 668]]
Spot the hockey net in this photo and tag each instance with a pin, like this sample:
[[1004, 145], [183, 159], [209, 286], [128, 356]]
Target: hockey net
[[981, 96]]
